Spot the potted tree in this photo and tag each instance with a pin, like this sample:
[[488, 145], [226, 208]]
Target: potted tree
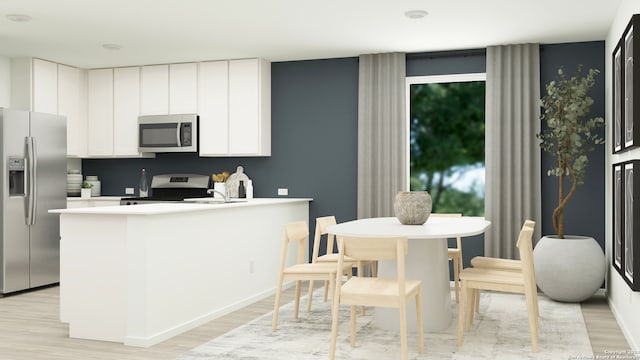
[[568, 267]]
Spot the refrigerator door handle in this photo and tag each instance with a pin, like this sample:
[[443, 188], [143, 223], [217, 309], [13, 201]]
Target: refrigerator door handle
[[32, 166]]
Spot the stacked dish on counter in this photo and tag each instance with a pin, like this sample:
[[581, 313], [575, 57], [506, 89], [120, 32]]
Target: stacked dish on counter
[[74, 182]]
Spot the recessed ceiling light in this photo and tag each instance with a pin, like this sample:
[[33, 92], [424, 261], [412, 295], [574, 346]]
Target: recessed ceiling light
[[112, 46], [415, 14], [18, 17]]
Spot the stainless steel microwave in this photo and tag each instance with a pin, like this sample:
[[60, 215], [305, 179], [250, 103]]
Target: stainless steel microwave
[[168, 133]]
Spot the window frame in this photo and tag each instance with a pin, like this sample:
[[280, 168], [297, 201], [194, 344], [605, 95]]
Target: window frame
[[428, 79]]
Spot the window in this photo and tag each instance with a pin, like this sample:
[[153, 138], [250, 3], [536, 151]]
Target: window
[[446, 140]]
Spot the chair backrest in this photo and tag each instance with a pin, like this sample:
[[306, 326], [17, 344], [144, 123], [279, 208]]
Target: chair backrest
[[530, 223], [458, 239], [375, 248], [525, 248], [295, 232], [322, 223]]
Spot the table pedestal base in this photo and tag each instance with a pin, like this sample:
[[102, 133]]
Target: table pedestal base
[[436, 296]]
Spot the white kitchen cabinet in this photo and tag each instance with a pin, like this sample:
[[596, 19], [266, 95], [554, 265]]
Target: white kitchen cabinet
[[250, 107], [100, 112], [213, 107], [126, 108], [154, 92], [183, 88], [248, 119], [45, 86], [72, 104]]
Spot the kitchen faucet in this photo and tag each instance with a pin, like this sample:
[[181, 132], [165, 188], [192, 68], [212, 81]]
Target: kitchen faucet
[[226, 196]]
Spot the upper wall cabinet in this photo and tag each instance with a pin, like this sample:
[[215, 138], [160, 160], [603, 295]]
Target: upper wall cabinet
[[114, 107], [44, 86], [169, 89], [154, 90], [183, 88], [72, 102], [243, 126], [126, 108], [213, 107], [100, 112]]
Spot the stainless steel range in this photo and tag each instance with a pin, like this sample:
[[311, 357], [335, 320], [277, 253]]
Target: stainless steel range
[[171, 188]]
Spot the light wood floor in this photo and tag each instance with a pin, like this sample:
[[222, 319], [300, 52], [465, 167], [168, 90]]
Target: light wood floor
[[30, 330]]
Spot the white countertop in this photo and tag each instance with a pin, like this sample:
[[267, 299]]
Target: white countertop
[[97, 198], [174, 207]]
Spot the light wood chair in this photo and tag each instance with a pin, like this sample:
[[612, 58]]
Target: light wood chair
[[485, 262], [523, 282], [374, 291], [298, 233], [455, 255], [322, 224], [497, 263]]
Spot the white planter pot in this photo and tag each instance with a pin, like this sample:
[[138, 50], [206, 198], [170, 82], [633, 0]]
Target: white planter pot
[[85, 193], [570, 269]]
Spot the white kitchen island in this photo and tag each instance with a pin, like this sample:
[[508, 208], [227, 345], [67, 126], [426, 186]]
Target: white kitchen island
[[144, 273]]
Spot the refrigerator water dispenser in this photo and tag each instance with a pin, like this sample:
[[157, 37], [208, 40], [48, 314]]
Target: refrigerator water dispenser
[[15, 167]]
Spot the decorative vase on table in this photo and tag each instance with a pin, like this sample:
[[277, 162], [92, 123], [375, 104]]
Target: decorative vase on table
[[570, 269], [412, 207]]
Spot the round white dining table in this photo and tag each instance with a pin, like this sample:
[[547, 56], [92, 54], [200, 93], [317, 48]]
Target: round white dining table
[[427, 260]]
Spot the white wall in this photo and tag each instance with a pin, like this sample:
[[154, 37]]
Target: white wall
[[5, 81], [624, 302]]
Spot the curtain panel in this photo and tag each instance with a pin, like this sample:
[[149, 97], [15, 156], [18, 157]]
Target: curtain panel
[[382, 132], [512, 152]]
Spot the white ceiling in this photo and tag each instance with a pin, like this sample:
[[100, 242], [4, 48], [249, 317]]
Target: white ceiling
[[167, 31]]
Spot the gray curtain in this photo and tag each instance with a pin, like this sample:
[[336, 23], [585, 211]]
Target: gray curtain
[[382, 128], [512, 152]]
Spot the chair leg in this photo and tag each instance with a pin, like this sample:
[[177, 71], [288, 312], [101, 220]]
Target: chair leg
[[420, 321], [296, 307], [532, 301], [310, 295], [326, 291], [461, 309], [403, 329], [374, 269], [335, 308], [474, 304], [469, 314], [456, 279], [352, 318], [276, 306]]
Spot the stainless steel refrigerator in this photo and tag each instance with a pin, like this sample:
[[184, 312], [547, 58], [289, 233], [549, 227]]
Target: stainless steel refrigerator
[[34, 166]]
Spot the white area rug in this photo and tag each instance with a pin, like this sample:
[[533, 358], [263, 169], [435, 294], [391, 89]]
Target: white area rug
[[500, 331]]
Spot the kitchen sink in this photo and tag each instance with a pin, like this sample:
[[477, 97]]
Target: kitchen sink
[[210, 200]]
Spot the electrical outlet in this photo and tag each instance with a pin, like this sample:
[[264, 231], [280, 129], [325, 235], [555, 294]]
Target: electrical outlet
[[251, 267], [129, 191], [283, 191]]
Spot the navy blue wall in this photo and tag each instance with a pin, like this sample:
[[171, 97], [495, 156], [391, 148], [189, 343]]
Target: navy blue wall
[[314, 142], [584, 215], [314, 138]]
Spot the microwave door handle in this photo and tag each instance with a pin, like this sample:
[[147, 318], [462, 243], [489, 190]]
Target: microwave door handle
[[178, 134]]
